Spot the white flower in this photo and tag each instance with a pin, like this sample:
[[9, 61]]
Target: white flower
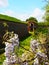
[[7, 54], [6, 43], [36, 62], [13, 59], [9, 50], [15, 36]]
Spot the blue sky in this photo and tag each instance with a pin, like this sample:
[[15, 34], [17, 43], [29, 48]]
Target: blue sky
[[22, 9]]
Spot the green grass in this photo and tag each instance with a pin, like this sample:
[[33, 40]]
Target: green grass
[[2, 57], [43, 23], [25, 44], [12, 19]]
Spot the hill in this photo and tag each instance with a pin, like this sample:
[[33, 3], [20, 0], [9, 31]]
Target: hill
[[9, 18]]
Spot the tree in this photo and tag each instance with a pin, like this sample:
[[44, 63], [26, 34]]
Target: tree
[[46, 17], [32, 19]]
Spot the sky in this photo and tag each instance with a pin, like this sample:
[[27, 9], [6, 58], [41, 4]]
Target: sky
[[23, 9]]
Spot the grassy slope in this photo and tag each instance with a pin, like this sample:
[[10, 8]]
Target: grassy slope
[[26, 44], [5, 17], [2, 57]]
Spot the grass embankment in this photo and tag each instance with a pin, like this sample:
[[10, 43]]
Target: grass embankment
[[11, 19], [25, 45], [2, 57]]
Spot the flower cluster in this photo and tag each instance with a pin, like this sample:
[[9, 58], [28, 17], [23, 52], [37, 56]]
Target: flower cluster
[[9, 50], [40, 57]]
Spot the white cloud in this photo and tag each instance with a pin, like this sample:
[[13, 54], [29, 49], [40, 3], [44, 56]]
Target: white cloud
[[20, 16], [3, 3], [9, 12], [37, 13]]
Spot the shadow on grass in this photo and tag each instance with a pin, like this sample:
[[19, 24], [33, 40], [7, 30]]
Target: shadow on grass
[[2, 48], [25, 37]]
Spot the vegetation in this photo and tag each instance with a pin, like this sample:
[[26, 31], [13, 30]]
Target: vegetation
[[32, 19], [11, 19], [47, 12], [43, 23], [2, 57], [41, 33], [25, 44]]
